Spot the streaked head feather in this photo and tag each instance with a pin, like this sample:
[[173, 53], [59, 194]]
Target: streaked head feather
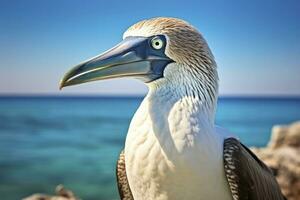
[[185, 44]]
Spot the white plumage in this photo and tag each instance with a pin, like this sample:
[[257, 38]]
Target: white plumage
[[172, 149]]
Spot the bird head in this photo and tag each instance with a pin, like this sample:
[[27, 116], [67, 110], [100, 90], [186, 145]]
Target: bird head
[[160, 52]]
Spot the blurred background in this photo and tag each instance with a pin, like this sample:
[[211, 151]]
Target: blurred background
[[74, 136]]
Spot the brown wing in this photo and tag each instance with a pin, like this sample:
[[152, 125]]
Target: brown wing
[[248, 177], [123, 186]]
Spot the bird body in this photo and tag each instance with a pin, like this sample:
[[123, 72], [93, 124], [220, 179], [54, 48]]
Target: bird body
[[173, 149], [174, 152]]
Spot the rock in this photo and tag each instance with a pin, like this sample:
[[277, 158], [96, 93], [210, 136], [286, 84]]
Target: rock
[[61, 194], [282, 156], [285, 136]]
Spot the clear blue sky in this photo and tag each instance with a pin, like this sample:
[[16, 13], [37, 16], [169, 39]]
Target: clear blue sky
[[256, 43]]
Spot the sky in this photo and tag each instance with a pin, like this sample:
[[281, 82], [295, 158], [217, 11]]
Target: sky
[[256, 43]]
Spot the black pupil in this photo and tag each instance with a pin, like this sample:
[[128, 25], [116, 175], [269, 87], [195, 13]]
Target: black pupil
[[156, 43]]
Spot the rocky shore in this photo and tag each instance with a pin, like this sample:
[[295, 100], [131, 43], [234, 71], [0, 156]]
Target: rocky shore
[[282, 155]]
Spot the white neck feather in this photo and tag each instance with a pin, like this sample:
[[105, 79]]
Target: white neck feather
[[181, 85], [175, 109]]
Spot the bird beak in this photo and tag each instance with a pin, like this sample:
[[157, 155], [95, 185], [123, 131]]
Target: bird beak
[[133, 57]]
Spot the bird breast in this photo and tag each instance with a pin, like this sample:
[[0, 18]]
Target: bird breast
[[167, 157]]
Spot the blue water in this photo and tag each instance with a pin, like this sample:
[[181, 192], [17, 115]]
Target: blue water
[[45, 141]]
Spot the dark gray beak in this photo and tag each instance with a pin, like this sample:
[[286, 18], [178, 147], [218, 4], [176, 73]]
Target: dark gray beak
[[133, 57]]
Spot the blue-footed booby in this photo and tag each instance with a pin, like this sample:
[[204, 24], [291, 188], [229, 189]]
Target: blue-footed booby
[[173, 148]]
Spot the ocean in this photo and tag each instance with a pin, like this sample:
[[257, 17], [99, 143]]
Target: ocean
[[75, 141]]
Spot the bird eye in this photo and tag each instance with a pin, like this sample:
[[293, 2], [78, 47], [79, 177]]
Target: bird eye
[[157, 43]]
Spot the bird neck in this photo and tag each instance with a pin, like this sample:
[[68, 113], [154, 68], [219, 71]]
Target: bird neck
[[177, 114], [180, 89], [175, 117]]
